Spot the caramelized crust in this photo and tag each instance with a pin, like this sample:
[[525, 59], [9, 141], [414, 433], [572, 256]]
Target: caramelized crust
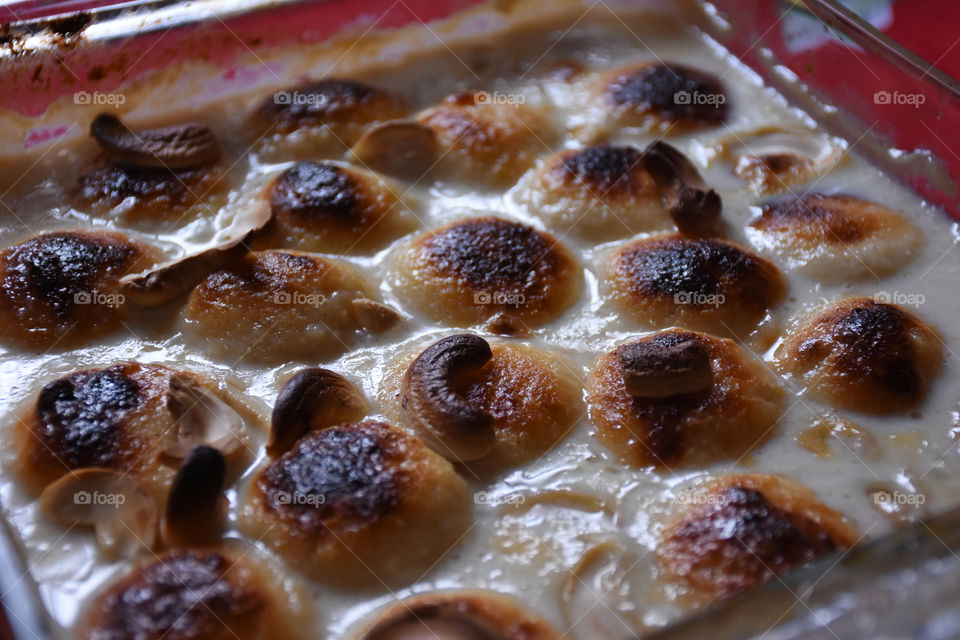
[[278, 306], [664, 97], [698, 283], [458, 615], [836, 238], [487, 142], [863, 355], [736, 413], [599, 192], [191, 594], [328, 115], [342, 502], [61, 289], [532, 396], [320, 206], [154, 193], [489, 270], [739, 531]]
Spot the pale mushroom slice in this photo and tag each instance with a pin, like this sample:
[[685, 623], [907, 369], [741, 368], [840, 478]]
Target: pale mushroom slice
[[202, 418], [312, 399], [403, 148], [693, 206], [175, 147], [442, 417], [655, 370], [167, 281], [196, 505], [123, 515], [375, 316]]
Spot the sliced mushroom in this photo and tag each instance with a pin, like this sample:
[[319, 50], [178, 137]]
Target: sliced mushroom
[[402, 148], [375, 316], [312, 399], [176, 147], [655, 370], [196, 505], [202, 418], [445, 420], [694, 207], [444, 621], [169, 280], [122, 514]]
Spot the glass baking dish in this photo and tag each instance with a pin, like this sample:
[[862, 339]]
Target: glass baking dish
[[55, 62]]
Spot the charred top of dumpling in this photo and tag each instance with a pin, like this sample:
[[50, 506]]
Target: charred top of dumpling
[[601, 168], [491, 252], [673, 92], [332, 100], [315, 191], [184, 594], [347, 473], [827, 218], [110, 183]]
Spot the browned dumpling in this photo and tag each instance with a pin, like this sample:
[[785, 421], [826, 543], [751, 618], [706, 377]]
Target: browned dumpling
[[278, 306], [485, 141], [323, 116], [495, 405], [705, 284], [771, 159], [679, 398], [835, 238], [739, 531], [61, 289], [488, 270], [119, 417], [599, 192], [457, 615], [863, 355], [343, 503], [193, 594], [321, 206], [662, 97]]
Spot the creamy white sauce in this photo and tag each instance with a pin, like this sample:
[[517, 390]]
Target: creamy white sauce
[[530, 552]]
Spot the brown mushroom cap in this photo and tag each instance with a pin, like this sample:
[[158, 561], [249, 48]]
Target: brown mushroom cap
[[694, 207], [121, 512], [444, 419], [312, 399], [173, 147], [202, 418], [195, 507]]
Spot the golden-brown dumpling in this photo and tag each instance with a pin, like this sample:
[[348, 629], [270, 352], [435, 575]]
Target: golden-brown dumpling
[[323, 116], [705, 284], [662, 97], [678, 398], [599, 192], [62, 289], [457, 615], [278, 306], [117, 417], [344, 501], [739, 531], [193, 594], [517, 400], [486, 141], [863, 355], [488, 270], [325, 207], [835, 238]]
